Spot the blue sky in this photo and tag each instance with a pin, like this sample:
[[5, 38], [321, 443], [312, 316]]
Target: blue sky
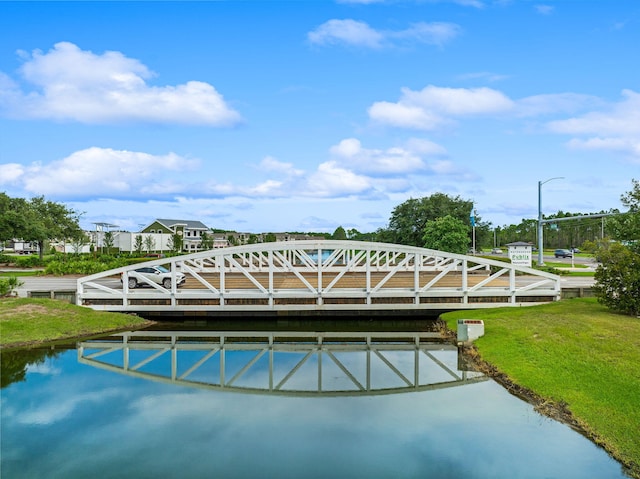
[[308, 115]]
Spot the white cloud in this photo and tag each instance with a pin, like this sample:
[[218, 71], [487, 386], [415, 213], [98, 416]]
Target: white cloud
[[271, 164], [77, 85], [626, 146], [459, 101], [537, 105], [613, 128], [405, 116], [435, 106], [10, 173], [350, 170], [103, 171], [349, 32], [425, 147], [487, 76], [544, 9], [332, 180], [266, 188], [392, 161], [360, 34], [435, 33], [621, 119]]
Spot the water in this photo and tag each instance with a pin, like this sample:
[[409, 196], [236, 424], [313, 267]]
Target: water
[[66, 417]]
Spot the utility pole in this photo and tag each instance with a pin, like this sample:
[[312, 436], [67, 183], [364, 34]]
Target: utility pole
[[540, 235]]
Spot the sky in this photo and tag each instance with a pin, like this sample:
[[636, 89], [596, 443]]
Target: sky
[[274, 116]]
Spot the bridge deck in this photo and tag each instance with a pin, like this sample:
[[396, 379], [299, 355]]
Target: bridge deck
[[353, 280]]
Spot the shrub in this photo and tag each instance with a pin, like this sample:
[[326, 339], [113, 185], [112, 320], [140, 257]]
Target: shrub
[[7, 285], [84, 266], [30, 261], [618, 279]]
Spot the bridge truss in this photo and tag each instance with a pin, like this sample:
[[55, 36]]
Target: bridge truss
[[284, 363], [321, 276]]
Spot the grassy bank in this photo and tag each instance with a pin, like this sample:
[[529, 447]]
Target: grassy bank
[[26, 321], [574, 353]]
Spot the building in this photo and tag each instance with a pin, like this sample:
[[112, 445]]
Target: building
[[190, 231]]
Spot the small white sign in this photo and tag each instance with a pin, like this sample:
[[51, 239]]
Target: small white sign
[[520, 255]]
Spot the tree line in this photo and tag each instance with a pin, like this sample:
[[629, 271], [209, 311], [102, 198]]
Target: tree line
[[439, 222]]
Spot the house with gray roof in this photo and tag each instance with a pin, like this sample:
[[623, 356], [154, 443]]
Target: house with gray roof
[[189, 230]]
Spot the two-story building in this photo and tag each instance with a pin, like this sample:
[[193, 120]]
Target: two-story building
[[190, 231]]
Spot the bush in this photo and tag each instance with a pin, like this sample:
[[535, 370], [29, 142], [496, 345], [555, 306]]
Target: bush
[[31, 261], [7, 285], [618, 279], [84, 266]]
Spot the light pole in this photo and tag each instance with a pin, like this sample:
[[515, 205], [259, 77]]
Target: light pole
[[540, 238]]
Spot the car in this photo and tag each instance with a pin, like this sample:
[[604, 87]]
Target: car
[[157, 274], [562, 253], [496, 251], [575, 250]]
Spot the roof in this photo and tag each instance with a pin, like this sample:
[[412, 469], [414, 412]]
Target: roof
[[188, 224]]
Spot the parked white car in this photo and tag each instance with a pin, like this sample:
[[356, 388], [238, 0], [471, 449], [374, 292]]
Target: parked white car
[[157, 274]]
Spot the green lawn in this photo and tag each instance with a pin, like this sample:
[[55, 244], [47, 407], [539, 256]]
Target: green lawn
[[8, 274], [573, 352], [554, 264], [27, 321]]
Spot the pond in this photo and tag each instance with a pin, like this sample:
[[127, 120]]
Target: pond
[[273, 404]]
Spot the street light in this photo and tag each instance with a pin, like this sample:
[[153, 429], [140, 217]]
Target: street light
[[540, 239]]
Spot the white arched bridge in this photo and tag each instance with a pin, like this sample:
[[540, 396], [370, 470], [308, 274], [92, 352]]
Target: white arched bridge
[[319, 276]]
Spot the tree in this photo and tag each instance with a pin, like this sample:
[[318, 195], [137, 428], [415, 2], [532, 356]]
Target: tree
[[618, 275], [175, 243], [408, 220], [107, 241], [626, 226], [446, 234], [149, 243], [206, 241], [137, 244], [339, 234], [12, 217], [37, 220], [354, 234], [78, 241], [270, 238], [618, 279]]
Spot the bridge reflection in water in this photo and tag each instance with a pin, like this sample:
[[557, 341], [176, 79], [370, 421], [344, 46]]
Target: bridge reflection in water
[[285, 363]]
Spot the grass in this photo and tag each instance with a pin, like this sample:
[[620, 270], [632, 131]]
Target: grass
[[585, 274], [564, 265], [575, 353], [6, 274], [28, 321]]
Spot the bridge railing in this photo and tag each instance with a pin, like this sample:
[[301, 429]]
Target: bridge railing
[[321, 275]]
